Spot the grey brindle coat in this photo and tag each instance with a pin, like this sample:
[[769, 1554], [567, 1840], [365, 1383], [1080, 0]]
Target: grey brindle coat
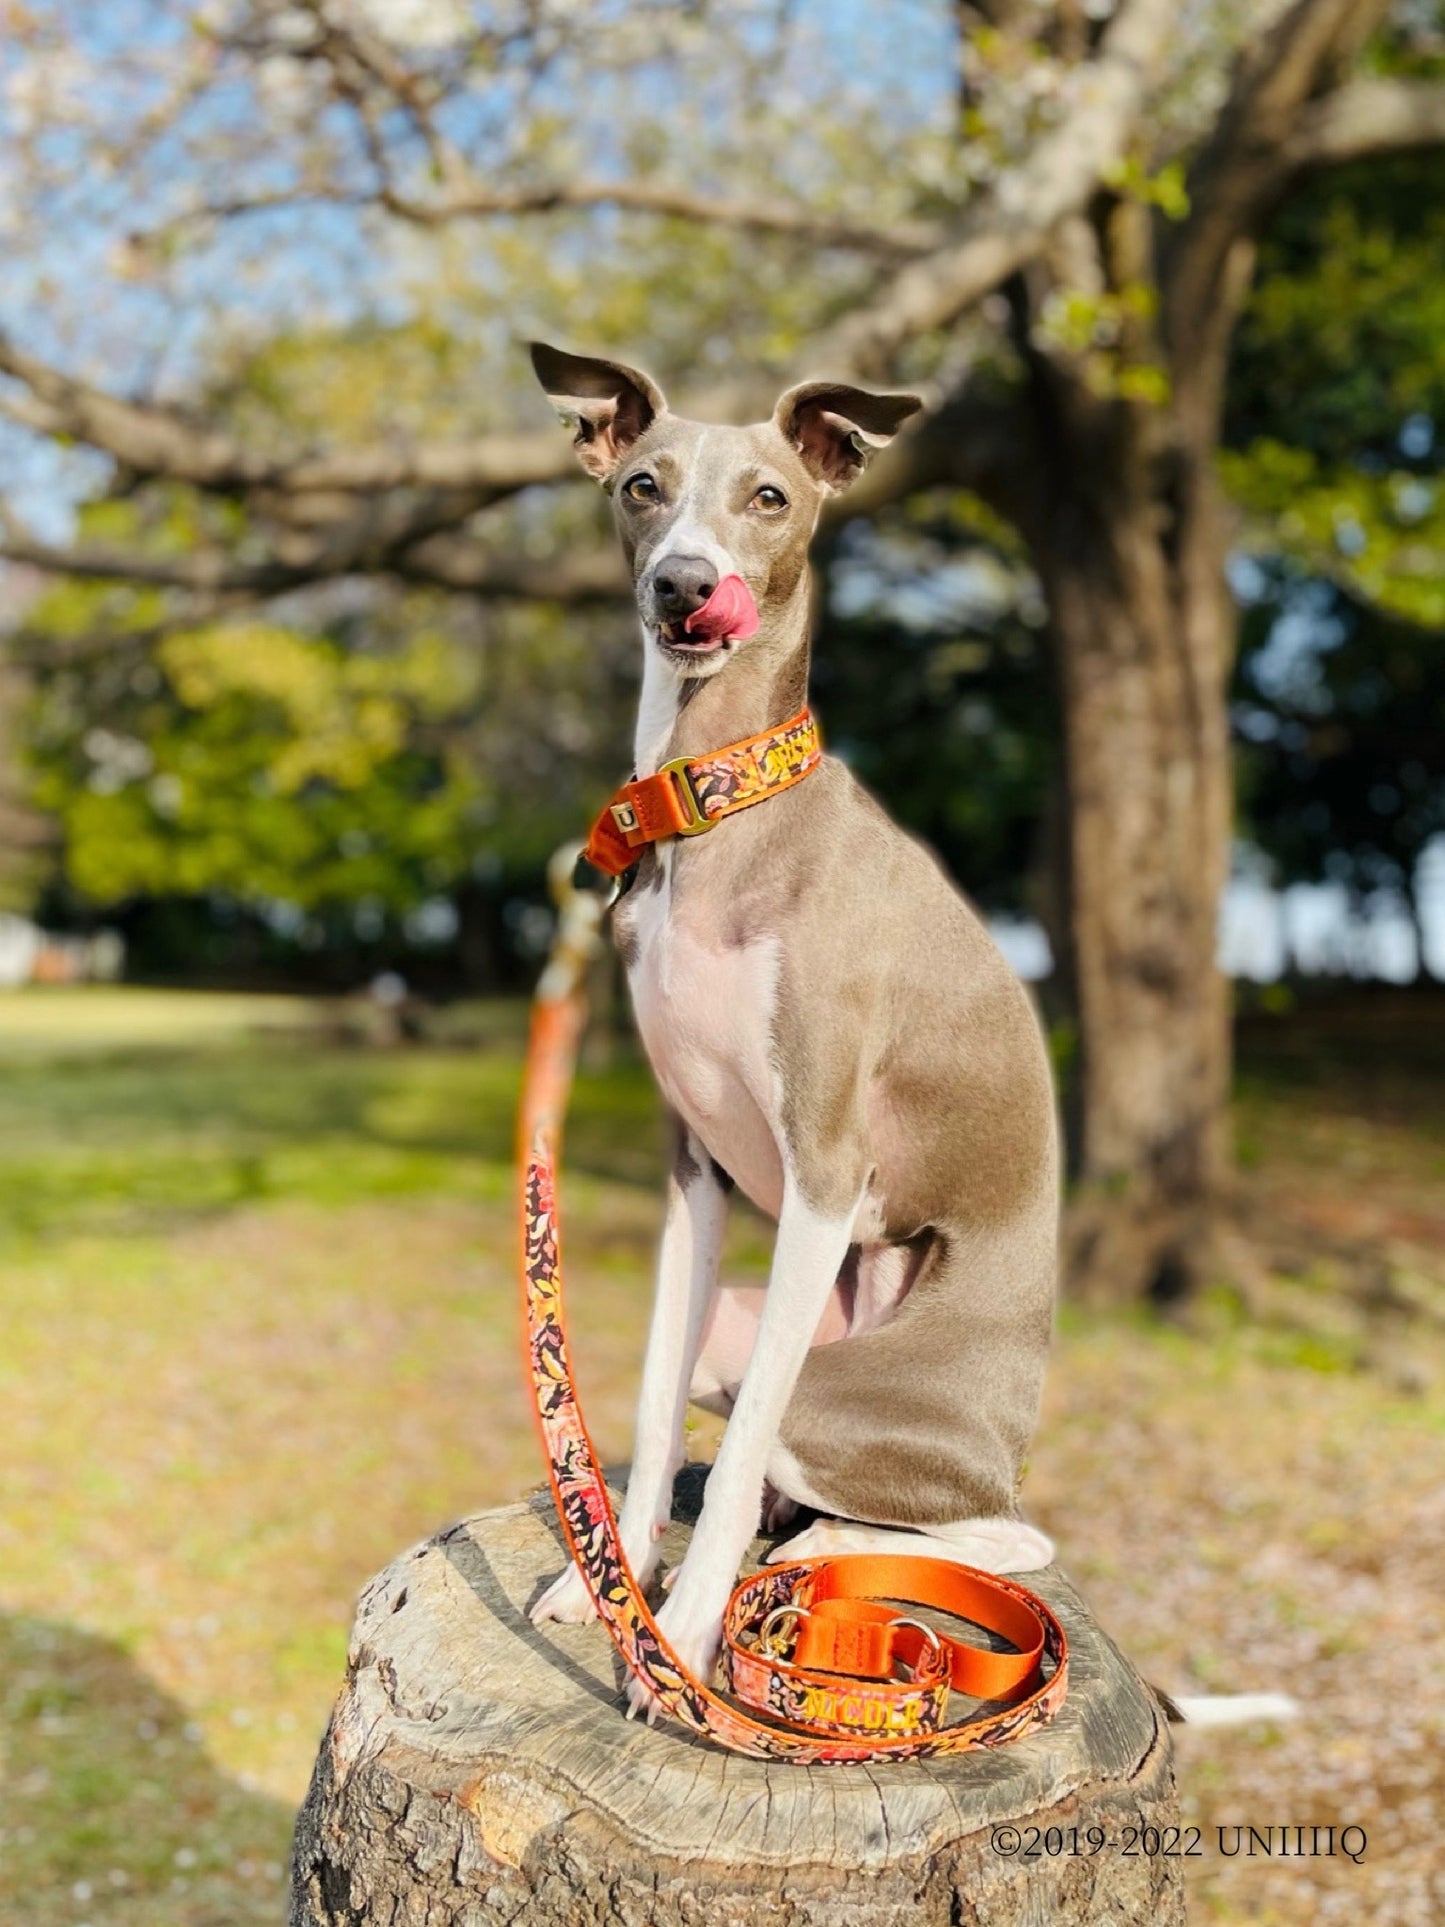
[[837, 1035]]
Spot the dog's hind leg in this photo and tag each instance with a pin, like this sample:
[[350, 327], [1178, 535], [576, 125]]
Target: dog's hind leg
[[919, 1427], [730, 1332]]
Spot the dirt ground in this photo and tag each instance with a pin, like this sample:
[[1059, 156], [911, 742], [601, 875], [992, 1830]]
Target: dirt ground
[[259, 1335], [1249, 1524]]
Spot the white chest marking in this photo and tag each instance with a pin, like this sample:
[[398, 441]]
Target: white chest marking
[[706, 1018], [657, 708]]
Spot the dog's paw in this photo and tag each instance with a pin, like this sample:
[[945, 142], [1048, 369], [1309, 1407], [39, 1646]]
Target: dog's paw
[[1002, 1545], [991, 1545], [641, 1703], [693, 1633], [566, 1600], [823, 1539]]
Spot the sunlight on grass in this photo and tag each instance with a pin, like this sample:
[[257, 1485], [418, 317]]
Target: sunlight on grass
[[260, 1334], [43, 1021], [118, 1122]]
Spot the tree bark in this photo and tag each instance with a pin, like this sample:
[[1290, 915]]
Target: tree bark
[[25, 835], [1143, 625], [478, 1769], [1128, 534]]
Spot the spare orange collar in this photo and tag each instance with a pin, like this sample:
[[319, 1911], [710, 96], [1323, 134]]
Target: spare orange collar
[[691, 794], [847, 1643]]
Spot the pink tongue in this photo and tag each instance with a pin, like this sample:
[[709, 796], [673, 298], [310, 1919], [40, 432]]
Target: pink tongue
[[728, 611]]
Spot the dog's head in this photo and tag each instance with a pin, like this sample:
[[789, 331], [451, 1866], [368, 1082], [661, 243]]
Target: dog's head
[[697, 504]]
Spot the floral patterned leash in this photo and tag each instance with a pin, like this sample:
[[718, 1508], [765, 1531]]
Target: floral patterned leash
[[816, 1717]]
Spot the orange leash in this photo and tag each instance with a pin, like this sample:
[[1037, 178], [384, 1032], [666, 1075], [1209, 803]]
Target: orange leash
[[864, 1680]]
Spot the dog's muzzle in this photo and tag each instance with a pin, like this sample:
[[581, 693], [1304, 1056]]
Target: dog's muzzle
[[728, 615]]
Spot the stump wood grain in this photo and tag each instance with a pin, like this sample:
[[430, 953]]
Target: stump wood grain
[[478, 1770]]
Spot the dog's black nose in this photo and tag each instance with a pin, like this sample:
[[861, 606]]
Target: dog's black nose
[[680, 584]]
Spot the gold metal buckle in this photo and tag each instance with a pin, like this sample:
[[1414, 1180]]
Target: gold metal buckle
[[697, 822], [766, 1643]]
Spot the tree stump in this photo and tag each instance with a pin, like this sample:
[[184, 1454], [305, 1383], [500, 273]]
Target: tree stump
[[478, 1769]]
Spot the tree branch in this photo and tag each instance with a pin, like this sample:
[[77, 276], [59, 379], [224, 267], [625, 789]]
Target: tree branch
[[362, 66], [1235, 180], [1007, 226], [204, 572], [154, 441], [474, 201], [1365, 120], [1003, 229], [977, 440], [772, 216], [151, 440], [1000, 232], [455, 562], [444, 561]]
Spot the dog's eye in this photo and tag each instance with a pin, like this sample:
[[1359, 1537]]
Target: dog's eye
[[641, 488], [769, 499]]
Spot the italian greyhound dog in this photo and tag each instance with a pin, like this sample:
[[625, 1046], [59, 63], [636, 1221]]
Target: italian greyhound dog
[[836, 1035]]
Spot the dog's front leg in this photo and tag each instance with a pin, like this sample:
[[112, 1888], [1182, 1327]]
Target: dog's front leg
[[810, 1248], [687, 1266]]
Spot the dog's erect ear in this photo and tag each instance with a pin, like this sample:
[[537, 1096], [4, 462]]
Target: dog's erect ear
[[610, 405], [836, 428]]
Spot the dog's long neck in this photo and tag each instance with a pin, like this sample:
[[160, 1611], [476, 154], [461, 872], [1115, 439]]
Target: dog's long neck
[[766, 683]]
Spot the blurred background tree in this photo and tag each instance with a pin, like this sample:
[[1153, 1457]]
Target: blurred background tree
[[338, 632]]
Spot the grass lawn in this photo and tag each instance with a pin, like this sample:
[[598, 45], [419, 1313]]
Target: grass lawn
[[259, 1334]]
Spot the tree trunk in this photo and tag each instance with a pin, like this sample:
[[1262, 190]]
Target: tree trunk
[[1132, 556], [24, 835], [479, 1770]]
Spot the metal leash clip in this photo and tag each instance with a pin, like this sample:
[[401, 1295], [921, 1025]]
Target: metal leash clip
[[765, 1642]]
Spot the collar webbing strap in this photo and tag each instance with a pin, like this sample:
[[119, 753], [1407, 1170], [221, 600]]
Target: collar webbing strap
[[692, 793]]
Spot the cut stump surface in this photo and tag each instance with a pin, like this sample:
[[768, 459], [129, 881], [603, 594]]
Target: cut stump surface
[[478, 1770]]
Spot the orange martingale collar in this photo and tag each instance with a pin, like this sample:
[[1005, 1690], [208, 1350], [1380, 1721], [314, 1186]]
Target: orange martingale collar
[[693, 793], [847, 1643]]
